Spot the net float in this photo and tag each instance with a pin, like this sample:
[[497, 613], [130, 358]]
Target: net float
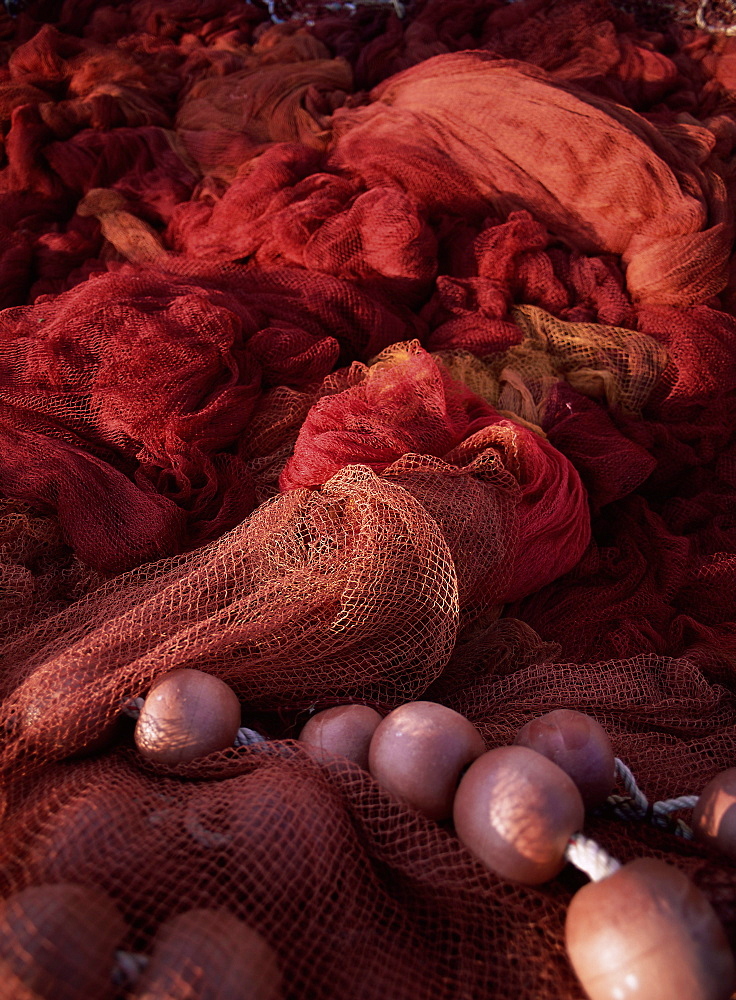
[[58, 942], [187, 714], [346, 730], [579, 745], [418, 753], [515, 810], [647, 932], [209, 955]]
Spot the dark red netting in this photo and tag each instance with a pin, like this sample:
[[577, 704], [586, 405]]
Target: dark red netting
[[350, 356]]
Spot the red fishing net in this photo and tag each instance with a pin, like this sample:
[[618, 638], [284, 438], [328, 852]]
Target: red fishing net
[[354, 353]]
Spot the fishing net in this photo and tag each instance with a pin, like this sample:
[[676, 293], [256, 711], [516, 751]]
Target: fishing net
[[359, 352]]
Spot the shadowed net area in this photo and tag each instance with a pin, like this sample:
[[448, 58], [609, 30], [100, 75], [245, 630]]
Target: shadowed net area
[[353, 353]]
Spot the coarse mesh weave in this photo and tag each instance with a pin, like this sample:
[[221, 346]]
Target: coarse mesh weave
[[359, 353]]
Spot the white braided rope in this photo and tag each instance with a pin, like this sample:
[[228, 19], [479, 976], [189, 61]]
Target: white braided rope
[[719, 27], [661, 814], [623, 807], [635, 805], [590, 857], [248, 737], [667, 806], [128, 968], [133, 707], [627, 779]]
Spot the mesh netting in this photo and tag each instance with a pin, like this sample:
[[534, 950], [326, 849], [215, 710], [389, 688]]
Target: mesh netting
[[357, 352]]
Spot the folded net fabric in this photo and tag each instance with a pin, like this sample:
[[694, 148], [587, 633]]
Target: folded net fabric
[[357, 357]]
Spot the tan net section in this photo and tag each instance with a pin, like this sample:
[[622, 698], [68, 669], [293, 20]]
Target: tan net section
[[618, 366]]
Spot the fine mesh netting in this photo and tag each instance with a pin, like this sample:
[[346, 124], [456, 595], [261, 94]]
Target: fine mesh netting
[[358, 353]]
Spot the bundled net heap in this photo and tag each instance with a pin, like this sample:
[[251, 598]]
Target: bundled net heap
[[356, 357]]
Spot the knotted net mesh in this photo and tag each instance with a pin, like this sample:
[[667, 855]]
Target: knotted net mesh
[[365, 353]]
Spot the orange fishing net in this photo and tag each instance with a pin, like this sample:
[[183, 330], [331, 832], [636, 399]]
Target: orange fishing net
[[358, 357]]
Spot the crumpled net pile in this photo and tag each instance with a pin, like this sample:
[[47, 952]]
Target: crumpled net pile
[[360, 358]]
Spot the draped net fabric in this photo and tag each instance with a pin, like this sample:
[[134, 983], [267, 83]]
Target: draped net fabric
[[358, 358]]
